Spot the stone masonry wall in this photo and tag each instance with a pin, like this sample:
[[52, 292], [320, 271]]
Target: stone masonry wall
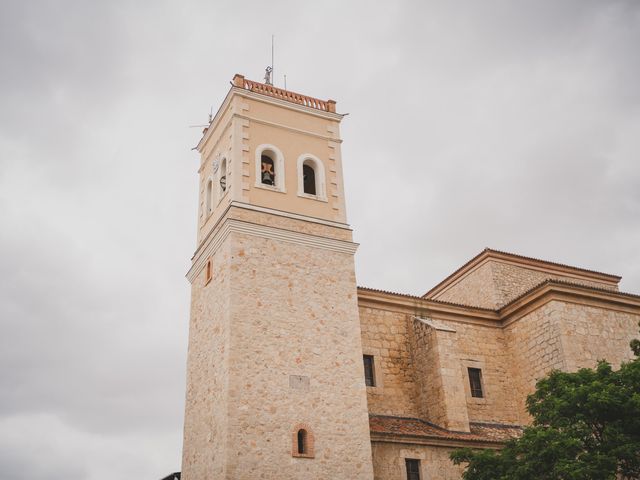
[[385, 335], [590, 334], [389, 461], [495, 283], [426, 360], [512, 281], [295, 357], [206, 421], [412, 383], [566, 336], [484, 347], [536, 348], [448, 370], [477, 288]]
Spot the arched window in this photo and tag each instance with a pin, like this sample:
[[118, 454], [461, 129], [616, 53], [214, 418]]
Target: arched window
[[223, 177], [267, 170], [303, 442], [311, 179], [270, 168], [308, 179], [208, 200]]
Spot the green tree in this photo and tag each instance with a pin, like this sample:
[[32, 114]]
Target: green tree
[[586, 426]]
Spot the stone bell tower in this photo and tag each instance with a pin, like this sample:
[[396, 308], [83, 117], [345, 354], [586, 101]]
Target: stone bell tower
[[275, 386]]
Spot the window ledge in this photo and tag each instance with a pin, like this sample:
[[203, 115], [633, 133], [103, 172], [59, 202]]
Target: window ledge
[[270, 188], [302, 455], [312, 197]]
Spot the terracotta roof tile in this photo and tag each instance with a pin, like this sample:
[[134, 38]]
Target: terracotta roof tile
[[433, 300], [415, 427], [549, 281]]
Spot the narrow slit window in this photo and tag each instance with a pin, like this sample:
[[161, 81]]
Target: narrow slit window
[[302, 442], [475, 382], [369, 373], [413, 468], [209, 274], [267, 170], [209, 197], [223, 176], [309, 179]]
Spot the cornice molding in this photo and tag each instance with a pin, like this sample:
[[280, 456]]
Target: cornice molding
[[264, 99], [294, 216], [231, 225], [270, 211], [287, 104], [417, 306], [569, 293], [508, 314]]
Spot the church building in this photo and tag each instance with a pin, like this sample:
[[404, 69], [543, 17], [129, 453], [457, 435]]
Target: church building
[[295, 372]]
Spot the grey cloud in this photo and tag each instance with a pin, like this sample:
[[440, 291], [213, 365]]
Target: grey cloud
[[513, 126]]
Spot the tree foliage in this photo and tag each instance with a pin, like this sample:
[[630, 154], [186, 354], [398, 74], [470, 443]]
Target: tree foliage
[[586, 426]]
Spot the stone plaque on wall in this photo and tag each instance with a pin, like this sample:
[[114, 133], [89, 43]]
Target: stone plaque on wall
[[299, 382]]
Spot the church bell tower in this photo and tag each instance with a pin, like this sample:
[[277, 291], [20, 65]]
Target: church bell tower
[[275, 386]]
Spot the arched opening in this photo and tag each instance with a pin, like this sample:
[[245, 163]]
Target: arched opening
[[311, 177], [209, 197], [308, 179], [270, 169], [267, 170], [223, 176], [302, 441]]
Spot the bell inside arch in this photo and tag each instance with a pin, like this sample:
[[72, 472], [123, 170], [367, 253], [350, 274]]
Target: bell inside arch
[[268, 174]]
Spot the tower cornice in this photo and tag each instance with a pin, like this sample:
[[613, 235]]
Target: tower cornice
[[284, 98], [339, 242]]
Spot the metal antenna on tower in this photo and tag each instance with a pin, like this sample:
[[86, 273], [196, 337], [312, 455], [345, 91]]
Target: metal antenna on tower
[[268, 72]]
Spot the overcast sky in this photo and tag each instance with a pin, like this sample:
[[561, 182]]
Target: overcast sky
[[512, 125]]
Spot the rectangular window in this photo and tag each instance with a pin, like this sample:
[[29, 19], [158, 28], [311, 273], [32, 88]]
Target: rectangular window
[[413, 469], [475, 382], [369, 378]]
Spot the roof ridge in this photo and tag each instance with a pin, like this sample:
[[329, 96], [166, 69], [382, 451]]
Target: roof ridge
[[558, 264], [488, 250]]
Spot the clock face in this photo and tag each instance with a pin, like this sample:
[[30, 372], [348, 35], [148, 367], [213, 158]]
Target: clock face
[[223, 183]]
